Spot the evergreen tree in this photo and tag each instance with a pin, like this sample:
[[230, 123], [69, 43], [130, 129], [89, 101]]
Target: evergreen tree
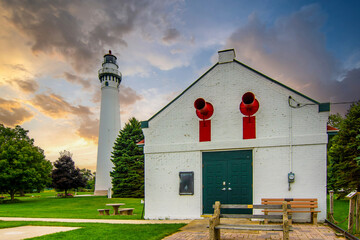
[[65, 176], [22, 165], [345, 151], [128, 159]]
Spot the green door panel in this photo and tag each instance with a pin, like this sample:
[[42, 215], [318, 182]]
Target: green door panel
[[234, 168], [213, 178]]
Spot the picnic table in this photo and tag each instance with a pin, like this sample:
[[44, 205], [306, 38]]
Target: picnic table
[[116, 207]]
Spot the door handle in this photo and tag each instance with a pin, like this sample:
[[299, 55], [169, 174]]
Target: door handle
[[224, 189], [229, 189]]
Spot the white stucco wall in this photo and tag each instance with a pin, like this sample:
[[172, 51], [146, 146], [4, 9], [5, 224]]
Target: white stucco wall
[[172, 142], [162, 186]]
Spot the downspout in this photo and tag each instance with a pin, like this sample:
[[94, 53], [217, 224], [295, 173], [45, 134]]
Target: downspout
[[290, 141]]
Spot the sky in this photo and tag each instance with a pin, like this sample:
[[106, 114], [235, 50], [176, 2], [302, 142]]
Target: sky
[[51, 51]]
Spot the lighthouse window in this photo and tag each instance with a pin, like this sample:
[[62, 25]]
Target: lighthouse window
[[106, 84], [110, 59], [186, 183]]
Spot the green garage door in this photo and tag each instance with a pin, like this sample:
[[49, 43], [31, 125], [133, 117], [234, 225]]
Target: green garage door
[[227, 177]]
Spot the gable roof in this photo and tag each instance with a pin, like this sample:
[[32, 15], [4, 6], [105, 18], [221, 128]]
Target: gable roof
[[323, 107]]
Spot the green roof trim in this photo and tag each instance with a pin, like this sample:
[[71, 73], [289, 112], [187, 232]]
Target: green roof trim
[[332, 133], [324, 107], [184, 91], [144, 124]]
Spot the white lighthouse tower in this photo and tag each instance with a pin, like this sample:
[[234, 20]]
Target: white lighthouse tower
[[110, 79]]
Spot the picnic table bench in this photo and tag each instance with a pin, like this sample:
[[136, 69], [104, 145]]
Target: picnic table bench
[[101, 211], [215, 225], [126, 211], [298, 205]]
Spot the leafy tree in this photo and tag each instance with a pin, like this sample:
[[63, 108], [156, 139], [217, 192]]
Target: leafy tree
[[89, 177], [65, 176], [335, 120], [345, 151], [22, 164], [128, 159]]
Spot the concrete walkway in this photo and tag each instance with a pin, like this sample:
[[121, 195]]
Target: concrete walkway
[[18, 233], [197, 229], [75, 220]]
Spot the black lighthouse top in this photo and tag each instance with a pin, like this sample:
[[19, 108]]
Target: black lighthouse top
[[109, 58]]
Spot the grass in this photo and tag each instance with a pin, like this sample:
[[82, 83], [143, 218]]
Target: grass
[[89, 231], [45, 205], [341, 212]]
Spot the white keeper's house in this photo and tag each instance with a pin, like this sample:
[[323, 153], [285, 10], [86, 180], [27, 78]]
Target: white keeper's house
[[236, 136]]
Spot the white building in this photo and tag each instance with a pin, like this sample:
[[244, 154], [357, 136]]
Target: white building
[[232, 157], [109, 128]]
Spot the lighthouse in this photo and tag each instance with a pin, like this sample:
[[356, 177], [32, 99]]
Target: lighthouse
[[109, 128]]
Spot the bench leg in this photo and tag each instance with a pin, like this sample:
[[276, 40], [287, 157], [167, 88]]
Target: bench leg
[[101, 212], [314, 218], [290, 218], [107, 212]]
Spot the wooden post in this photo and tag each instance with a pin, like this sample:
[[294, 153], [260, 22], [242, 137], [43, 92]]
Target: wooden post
[[331, 213], [213, 221], [286, 227], [351, 214], [357, 214]]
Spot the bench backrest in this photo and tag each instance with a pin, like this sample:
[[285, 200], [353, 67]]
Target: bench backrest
[[293, 202], [282, 206]]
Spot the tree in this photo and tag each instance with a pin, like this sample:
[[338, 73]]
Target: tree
[[128, 159], [22, 164], [89, 178], [345, 151], [65, 176], [335, 120]]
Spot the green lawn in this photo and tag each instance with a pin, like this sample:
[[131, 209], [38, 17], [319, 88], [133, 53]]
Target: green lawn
[[341, 212], [45, 205], [89, 231]]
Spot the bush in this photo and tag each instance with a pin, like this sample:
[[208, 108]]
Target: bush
[[62, 195]]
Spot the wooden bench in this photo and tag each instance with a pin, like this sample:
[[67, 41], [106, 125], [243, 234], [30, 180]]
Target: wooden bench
[[215, 225], [298, 205], [101, 211], [126, 211]]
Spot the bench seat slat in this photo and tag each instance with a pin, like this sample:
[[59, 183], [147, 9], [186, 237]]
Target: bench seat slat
[[251, 227], [289, 199], [256, 206], [293, 211], [251, 216]]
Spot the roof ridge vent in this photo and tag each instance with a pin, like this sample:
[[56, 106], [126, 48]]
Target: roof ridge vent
[[226, 56]]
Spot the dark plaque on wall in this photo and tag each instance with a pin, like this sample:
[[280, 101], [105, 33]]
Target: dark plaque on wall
[[186, 183]]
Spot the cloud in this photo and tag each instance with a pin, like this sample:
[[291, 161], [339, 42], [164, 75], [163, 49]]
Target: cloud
[[171, 35], [52, 105], [77, 80], [12, 113], [56, 107], [27, 86], [89, 128], [80, 31], [293, 51], [128, 96], [349, 86]]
